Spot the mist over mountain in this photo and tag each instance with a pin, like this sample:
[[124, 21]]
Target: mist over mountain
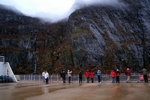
[[51, 10], [95, 37]]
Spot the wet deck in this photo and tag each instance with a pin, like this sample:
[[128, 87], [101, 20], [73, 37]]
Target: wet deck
[[36, 90]]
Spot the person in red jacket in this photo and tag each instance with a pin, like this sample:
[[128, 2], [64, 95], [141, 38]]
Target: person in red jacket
[[87, 74], [128, 74], [113, 75], [92, 76]]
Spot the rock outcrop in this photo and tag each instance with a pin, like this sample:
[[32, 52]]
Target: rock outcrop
[[111, 35]]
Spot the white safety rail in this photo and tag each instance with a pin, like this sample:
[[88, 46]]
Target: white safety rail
[[75, 78]]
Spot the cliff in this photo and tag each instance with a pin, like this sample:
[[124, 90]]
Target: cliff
[[102, 37], [111, 36], [31, 45]]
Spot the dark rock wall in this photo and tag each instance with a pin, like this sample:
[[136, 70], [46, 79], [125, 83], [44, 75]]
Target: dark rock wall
[[112, 35], [31, 45], [103, 36]]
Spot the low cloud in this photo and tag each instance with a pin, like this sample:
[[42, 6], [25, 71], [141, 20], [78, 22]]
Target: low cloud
[[52, 10]]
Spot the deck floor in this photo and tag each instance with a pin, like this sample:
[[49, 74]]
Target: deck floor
[[36, 90]]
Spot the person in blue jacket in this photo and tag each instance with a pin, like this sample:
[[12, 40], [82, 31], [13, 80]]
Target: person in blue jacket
[[99, 76]]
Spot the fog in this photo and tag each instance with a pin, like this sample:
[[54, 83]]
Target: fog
[[51, 10]]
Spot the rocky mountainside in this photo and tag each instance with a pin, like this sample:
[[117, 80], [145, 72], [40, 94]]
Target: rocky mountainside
[[102, 37], [112, 36], [31, 45]]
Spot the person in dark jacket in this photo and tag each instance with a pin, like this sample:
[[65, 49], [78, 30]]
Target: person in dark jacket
[[117, 76], [92, 76], [144, 70], [64, 76], [80, 77]]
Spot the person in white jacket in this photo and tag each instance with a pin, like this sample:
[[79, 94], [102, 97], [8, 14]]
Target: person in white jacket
[[69, 76], [46, 77], [43, 76]]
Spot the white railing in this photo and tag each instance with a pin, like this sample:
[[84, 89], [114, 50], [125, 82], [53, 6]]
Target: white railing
[[75, 78]]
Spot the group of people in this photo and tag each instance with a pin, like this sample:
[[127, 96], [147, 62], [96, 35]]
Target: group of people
[[45, 77], [69, 74], [63, 76], [115, 76], [90, 75]]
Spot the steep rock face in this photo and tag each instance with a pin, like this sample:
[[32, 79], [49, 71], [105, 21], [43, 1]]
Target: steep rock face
[[30, 45], [111, 35], [104, 36]]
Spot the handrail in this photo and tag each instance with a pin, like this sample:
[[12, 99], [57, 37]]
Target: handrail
[[104, 78]]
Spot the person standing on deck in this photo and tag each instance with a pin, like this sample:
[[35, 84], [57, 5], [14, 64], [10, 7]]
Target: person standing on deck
[[128, 74], [92, 76], [43, 76], [99, 76], [117, 76], [46, 77], [80, 77], [69, 76], [113, 75], [64, 77], [87, 74], [144, 70]]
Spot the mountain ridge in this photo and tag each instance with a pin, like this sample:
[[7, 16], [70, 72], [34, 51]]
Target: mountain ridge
[[101, 37]]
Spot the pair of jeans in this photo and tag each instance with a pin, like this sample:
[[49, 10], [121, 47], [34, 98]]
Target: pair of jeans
[[113, 80], [87, 79], [69, 79], [43, 79], [99, 78]]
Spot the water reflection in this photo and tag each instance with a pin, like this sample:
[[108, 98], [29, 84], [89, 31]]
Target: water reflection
[[80, 84], [45, 89], [116, 90]]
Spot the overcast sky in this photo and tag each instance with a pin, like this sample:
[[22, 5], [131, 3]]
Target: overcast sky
[[51, 10]]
